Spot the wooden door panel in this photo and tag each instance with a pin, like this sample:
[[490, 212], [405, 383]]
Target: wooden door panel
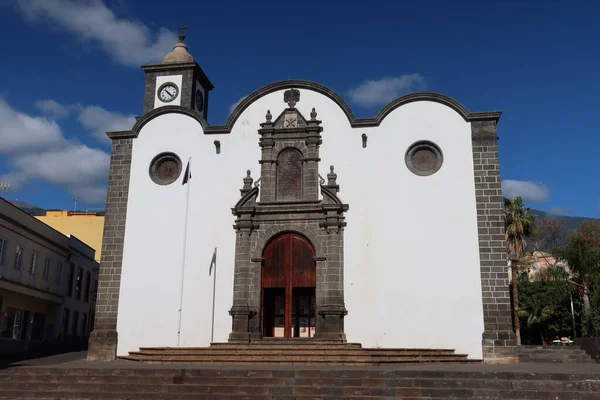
[[288, 263], [273, 271], [303, 263]]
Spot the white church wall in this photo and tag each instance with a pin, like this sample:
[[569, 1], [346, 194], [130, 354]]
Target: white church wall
[[411, 251]]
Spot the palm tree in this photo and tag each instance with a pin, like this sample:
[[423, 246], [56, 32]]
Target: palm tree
[[518, 225]]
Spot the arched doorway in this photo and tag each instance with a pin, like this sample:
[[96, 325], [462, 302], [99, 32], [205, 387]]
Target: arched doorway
[[289, 280]]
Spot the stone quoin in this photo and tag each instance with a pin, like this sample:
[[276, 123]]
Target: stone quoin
[[384, 231]]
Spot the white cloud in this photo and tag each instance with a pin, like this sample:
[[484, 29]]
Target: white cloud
[[234, 105], [21, 132], [37, 151], [99, 121], [126, 41], [54, 109], [75, 164], [380, 92], [535, 192]]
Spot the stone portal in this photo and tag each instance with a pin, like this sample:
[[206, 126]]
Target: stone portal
[[289, 260]]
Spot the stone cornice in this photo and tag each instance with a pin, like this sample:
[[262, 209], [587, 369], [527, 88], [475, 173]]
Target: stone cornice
[[468, 116]]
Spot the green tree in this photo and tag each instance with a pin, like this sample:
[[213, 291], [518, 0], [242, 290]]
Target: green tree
[[519, 224], [582, 255], [545, 309]]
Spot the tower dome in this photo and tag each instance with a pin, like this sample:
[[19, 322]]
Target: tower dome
[[180, 51]]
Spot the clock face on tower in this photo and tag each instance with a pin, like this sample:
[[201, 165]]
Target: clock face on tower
[[168, 92], [199, 100]]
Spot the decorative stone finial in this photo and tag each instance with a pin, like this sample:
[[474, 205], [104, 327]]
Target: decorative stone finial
[[247, 182], [291, 96], [313, 115], [182, 33], [331, 177], [269, 116]]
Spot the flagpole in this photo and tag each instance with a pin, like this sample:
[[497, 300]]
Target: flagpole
[[212, 331], [185, 227]]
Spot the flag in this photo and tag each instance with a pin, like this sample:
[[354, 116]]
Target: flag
[[213, 261], [188, 173]]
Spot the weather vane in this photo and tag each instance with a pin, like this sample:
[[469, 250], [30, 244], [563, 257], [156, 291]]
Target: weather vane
[[182, 33]]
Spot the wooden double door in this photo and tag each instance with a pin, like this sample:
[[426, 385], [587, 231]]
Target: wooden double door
[[289, 280]]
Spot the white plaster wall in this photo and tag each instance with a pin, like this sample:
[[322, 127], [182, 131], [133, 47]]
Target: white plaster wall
[[411, 249]]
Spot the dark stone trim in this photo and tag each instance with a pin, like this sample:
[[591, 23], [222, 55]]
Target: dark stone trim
[[144, 119], [103, 340], [174, 67], [301, 84], [498, 341]]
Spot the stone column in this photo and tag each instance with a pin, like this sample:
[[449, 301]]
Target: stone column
[[268, 161], [244, 307], [103, 339], [241, 311], [499, 343], [311, 159], [331, 307]]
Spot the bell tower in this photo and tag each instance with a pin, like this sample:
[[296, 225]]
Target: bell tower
[[177, 80]]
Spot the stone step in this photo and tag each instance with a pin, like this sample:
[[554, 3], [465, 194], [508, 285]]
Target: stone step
[[553, 354], [172, 392], [284, 351], [288, 342], [162, 383], [297, 361], [294, 355]]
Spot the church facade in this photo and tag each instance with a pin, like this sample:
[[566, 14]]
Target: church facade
[[384, 231]]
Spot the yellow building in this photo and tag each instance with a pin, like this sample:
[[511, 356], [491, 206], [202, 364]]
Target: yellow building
[[87, 227]]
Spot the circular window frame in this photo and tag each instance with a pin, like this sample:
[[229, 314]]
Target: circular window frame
[[420, 145], [159, 159], [161, 88]]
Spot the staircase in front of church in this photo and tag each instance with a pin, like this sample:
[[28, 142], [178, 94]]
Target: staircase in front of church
[[293, 352]]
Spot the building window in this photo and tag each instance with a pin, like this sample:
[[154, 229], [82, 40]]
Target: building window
[[165, 168], [289, 175], [58, 272], [88, 282], [79, 283], [19, 257], [37, 326], [65, 329], [11, 323], [70, 280], [84, 331], [34, 259], [46, 268], [424, 158], [3, 255], [75, 326]]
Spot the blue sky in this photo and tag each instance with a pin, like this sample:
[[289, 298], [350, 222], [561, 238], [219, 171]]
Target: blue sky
[[70, 72]]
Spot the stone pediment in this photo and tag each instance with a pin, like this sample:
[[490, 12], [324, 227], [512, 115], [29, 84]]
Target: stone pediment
[[290, 118]]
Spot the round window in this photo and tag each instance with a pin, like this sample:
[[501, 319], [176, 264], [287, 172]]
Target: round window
[[424, 158], [165, 168]]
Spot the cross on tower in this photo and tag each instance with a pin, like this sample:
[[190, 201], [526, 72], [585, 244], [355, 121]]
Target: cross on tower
[[182, 33]]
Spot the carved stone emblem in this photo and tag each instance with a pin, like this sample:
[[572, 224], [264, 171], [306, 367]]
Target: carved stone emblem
[[290, 121], [291, 96]]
